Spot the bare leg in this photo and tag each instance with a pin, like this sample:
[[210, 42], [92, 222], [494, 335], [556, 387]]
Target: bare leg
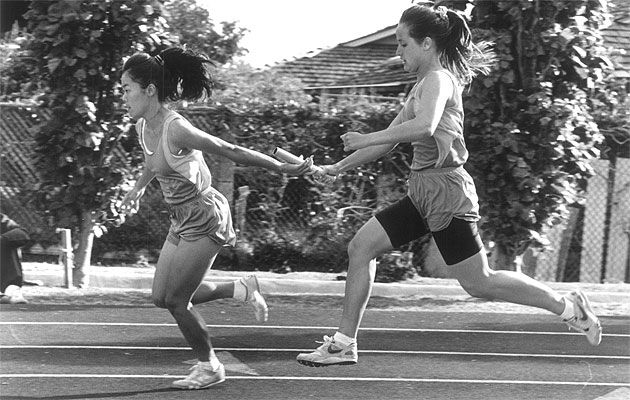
[[209, 291], [180, 270], [368, 243], [479, 280]]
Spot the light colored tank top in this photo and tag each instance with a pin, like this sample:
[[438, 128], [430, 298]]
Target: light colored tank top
[[182, 177], [446, 148]]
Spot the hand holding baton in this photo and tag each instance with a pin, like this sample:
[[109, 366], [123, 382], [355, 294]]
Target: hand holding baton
[[287, 157], [291, 158]]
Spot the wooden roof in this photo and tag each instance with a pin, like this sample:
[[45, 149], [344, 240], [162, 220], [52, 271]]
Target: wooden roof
[[617, 37], [336, 64], [369, 62]]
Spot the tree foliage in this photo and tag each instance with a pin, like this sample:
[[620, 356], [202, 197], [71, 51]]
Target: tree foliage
[[528, 124], [194, 27], [76, 52]]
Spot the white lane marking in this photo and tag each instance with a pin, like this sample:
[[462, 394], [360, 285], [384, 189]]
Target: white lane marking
[[327, 378], [274, 350], [416, 330]]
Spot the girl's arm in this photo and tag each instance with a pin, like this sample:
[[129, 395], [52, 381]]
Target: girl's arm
[[144, 180], [359, 157], [430, 103], [183, 135], [131, 202]]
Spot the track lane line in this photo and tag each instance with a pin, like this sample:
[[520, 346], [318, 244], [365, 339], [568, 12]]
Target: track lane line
[[276, 350], [324, 378], [368, 329]]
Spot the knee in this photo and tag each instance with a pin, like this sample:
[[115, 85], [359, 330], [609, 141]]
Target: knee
[[475, 290], [353, 248], [165, 301], [159, 301], [478, 286], [359, 250]]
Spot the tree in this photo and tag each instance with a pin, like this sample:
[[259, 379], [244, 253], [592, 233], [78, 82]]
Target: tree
[[84, 156], [195, 29], [528, 124]]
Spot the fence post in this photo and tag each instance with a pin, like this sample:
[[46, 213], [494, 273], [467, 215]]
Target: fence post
[[241, 208], [67, 256]]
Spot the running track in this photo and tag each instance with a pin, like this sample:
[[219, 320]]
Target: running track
[[134, 352]]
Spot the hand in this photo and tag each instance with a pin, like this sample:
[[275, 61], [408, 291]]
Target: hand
[[354, 141], [131, 202], [325, 174], [306, 167]]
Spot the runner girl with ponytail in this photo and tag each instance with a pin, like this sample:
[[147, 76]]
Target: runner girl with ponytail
[[435, 44], [200, 216]]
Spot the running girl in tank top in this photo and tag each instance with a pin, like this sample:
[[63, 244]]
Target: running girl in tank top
[[200, 215], [435, 44]]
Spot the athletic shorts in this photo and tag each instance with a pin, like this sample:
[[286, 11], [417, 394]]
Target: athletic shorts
[[442, 202], [206, 215]]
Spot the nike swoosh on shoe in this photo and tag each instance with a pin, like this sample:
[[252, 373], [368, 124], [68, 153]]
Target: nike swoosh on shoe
[[334, 351]]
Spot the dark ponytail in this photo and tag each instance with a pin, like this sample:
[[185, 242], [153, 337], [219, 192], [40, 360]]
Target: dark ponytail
[[177, 73], [460, 55], [451, 35]]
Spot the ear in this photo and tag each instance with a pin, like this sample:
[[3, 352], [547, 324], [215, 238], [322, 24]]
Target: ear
[[151, 89], [427, 42]]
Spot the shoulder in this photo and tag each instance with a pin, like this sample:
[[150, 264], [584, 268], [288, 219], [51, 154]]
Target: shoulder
[[436, 83], [177, 124], [439, 78], [180, 131]]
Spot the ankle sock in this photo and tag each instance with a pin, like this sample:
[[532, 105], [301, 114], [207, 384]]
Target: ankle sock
[[212, 365], [240, 290], [569, 310], [343, 339]]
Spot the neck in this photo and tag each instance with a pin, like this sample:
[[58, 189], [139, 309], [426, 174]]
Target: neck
[[155, 117], [430, 67]]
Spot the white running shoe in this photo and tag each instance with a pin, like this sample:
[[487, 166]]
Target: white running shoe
[[15, 295], [330, 353], [584, 320], [201, 378], [254, 297]]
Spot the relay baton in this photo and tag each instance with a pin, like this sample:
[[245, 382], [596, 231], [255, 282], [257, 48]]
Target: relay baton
[[291, 158], [287, 157]]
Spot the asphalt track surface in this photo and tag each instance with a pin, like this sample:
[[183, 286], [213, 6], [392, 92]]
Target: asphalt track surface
[[96, 350]]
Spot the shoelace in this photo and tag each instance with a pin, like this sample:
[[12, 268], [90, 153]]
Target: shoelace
[[327, 339]]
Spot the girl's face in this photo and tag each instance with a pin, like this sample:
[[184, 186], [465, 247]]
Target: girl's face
[[410, 52], [135, 98]]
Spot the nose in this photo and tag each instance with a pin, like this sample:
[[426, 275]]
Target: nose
[[398, 52]]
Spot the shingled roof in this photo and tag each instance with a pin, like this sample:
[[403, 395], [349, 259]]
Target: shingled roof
[[369, 63], [617, 37], [335, 64]]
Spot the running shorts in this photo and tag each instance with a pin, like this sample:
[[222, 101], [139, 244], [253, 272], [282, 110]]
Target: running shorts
[[442, 202], [207, 214]]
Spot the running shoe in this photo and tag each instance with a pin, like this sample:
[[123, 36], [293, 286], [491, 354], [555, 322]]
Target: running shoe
[[330, 353], [15, 295], [584, 320], [254, 297], [201, 378]]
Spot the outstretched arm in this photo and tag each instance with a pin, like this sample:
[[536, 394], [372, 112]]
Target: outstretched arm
[[185, 136], [430, 101]]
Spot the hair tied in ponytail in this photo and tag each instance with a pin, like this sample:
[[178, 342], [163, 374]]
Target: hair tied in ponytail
[[441, 12], [159, 60]]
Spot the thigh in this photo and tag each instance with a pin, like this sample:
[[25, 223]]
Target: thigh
[[458, 241], [370, 241], [402, 222], [182, 267]]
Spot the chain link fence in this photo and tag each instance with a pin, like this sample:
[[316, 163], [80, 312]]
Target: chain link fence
[[295, 224]]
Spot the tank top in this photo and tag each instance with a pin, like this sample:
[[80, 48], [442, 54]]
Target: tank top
[[446, 147], [182, 177]]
